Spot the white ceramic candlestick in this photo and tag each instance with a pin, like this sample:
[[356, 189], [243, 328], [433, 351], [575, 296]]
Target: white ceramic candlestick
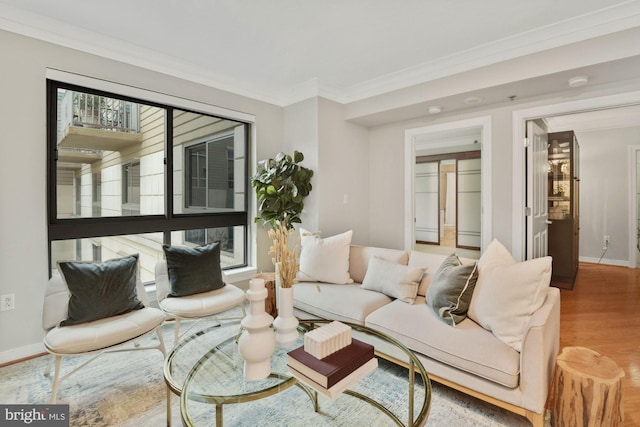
[[257, 341]]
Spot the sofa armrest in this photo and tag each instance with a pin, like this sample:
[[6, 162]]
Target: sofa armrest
[[539, 352]]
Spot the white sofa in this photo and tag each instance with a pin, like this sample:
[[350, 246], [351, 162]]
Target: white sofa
[[466, 357]]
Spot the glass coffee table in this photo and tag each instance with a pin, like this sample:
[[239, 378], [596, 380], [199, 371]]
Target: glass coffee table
[[206, 371]]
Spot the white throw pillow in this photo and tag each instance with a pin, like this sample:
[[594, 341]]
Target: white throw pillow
[[324, 260], [507, 293], [394, 280]]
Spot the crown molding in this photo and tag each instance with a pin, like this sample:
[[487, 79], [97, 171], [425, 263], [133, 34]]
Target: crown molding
[[605, 21], [53, 31], [602, 22], [313, 88]]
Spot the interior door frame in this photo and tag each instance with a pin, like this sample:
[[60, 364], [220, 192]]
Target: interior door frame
[[519, 119], [484, 123], [634, 171]]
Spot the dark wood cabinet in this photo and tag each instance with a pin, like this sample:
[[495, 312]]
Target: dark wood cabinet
[[564, 209]]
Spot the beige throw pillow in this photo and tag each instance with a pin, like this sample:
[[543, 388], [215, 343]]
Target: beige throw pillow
[[394, 280], [324, 260], [508, 293]]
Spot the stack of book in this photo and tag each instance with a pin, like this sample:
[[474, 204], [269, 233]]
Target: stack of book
[[344, 360]]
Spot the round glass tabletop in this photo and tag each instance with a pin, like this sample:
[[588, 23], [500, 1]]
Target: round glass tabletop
[[206, 370]]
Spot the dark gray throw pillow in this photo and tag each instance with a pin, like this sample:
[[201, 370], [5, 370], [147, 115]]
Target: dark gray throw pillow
[[193, 270], [100, 289], [451, 288]]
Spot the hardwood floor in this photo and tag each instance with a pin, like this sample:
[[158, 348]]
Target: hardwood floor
[[602, 312]]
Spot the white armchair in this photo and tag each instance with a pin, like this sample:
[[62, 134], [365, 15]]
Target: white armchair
[[197, 306], [104, 335]]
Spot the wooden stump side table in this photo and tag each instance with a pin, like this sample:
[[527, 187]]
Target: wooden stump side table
[[587, 390], [270, 305]]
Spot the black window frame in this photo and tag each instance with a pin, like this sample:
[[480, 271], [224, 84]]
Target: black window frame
[[90, 227]]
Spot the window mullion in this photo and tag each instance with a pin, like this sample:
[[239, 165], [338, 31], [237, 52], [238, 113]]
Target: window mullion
[[168, 165]]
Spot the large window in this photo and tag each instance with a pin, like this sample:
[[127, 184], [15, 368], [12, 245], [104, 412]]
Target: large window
[[209, 174], [129, 175]]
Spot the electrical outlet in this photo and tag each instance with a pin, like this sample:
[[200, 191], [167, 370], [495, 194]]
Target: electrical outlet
[[605, 244], [7, 302]]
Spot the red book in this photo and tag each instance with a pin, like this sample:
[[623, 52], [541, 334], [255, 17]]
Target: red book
[[331, 369]]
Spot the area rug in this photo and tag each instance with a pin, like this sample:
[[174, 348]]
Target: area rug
[[128, 389]]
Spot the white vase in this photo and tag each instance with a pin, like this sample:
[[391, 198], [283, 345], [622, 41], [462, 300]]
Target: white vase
[[277, 266], [257, 341], [286, 323]]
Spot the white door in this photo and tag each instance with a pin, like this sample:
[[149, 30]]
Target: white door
[[427, 214], [469, 203], [537, 185]]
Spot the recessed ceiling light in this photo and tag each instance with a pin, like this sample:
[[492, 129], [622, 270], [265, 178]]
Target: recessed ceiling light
[[472, 100], [435, 109], [578, 81]]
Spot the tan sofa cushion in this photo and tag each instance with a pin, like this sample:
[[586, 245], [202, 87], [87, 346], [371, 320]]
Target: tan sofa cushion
[[468, 346], [359, 257], [392, 279], [349, 303]]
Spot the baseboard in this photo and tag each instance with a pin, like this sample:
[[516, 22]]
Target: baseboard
[[618, 262], [16, 354]]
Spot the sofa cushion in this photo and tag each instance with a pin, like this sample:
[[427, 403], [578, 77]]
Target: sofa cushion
[[430, 262], [359, 257], [392, 279], [324, 259], [468, 346], [193, 270], [451, 289], [349, 302], [100, 289], [508, 293]]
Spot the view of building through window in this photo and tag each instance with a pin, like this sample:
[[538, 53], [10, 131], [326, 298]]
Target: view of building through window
[[109, 166]]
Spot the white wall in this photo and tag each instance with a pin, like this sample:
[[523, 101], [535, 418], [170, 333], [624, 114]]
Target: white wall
[[343, 173], [386, 185], [337, 151], [386, 180], [23, 197], [301, 134], [604, 193]]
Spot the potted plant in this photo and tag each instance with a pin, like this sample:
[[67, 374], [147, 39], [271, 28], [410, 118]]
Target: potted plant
[[281, 185]]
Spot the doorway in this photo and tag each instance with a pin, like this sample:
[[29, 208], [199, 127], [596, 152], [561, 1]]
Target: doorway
[[473, 175], [448, 198], [634, 206], [608, 208]]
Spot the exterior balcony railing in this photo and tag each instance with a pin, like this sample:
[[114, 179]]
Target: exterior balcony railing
[[97, 123]]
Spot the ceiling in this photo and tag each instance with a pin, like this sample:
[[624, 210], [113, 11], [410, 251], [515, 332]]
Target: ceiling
[[282, 51]]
